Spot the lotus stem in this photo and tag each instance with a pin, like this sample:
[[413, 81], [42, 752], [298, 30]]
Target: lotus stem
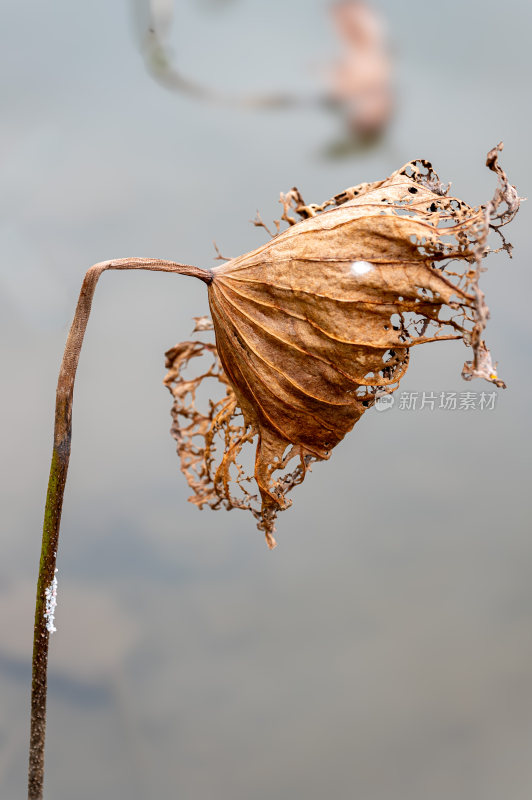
[[45, 601]]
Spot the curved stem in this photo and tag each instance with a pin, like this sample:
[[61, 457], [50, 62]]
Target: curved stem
[[54, 497]]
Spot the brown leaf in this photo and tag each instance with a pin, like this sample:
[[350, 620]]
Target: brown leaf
[[313, 324]]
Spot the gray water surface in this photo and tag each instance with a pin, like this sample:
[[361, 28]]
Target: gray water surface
[[384, 649]]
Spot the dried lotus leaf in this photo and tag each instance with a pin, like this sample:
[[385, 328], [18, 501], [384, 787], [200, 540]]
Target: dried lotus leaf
[[313, 325]]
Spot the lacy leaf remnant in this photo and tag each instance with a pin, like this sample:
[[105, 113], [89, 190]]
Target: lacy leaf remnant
[[210, 441], [317, 322]]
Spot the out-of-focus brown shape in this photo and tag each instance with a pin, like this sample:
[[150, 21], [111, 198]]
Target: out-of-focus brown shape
[[311, 326], [362, 81]]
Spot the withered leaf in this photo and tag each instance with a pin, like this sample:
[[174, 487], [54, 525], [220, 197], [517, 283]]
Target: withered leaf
[[317, 322]]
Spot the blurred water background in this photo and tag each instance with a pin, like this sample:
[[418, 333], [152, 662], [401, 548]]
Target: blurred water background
[[384, 649]]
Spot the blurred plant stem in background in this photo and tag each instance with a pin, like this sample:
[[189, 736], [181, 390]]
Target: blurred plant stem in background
[[358, 85]]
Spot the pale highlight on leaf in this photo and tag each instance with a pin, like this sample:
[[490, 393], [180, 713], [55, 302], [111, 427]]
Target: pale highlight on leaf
[[314, 324]]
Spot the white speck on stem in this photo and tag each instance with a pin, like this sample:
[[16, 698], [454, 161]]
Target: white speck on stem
[[361, 267], [50, 594]]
